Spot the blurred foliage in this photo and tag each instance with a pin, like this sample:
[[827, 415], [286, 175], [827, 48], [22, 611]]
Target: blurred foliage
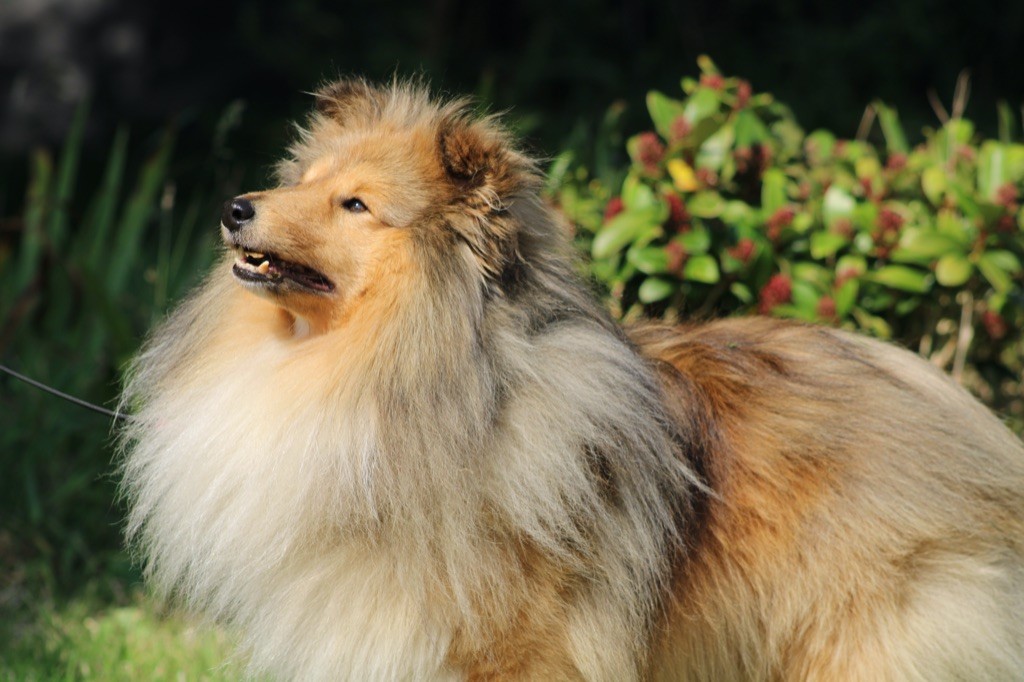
[[728, 207]]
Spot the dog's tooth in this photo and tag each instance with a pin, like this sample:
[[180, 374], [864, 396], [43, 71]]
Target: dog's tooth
[[264, 267], [253, 254]]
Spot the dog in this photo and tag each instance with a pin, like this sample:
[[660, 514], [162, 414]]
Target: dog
[[394, 436]]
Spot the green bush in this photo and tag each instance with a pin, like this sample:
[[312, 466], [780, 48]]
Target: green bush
[[728, 207]]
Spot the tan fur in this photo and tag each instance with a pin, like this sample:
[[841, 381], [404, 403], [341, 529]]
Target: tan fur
[[453, 465]]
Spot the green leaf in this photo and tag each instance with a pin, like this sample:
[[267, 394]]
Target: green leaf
[[706, 204], [655, 289], [905, 306], [846, 297], [1015, 163], [1004, 260], [701, 269], [865, 216], [650, 260], [951, 224], [853, 263], [872, 324], [895, 140], [924, 245], [820, 145], [701, 132], [793, 312], [805, 297], [993, 168], [696, 241], [742, 292], [953, 270], [606, 270], [715, 149], [638, 195], [965, 200], [854, 150], [701, 104], [838, 203], [750, 130], [960, 130], [623, 229], [773, 190], [740, 214], [933, 183], [1006, 121], [802, 222], [826, 244], [707, 65], [992, 269], [813, 273], [664, 111], [902, 278], [558, 169], [868, 168], [786, 133]]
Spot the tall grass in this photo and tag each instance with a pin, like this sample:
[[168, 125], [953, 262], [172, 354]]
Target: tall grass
[[104, 241]]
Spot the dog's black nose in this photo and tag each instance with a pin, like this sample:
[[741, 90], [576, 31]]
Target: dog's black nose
[[237, 213]]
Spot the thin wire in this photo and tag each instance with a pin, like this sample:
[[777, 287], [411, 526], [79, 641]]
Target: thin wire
[[65, 396]]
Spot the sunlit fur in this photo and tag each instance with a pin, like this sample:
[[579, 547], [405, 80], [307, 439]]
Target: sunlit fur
[[455, 466]]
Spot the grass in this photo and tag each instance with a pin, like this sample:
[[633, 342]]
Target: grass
[[103, 244], [86, 640]]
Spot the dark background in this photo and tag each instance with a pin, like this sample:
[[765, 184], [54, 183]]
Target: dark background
[[556, 66], [227, 77]]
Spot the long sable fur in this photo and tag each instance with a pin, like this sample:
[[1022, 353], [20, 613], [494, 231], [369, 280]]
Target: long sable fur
[[474, 473]]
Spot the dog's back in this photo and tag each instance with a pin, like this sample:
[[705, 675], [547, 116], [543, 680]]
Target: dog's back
[[867, 515]]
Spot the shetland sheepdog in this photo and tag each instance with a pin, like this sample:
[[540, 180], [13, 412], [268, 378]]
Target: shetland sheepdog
[[394, 436]]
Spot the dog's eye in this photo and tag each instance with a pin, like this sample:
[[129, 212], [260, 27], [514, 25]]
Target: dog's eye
[[355, 205]]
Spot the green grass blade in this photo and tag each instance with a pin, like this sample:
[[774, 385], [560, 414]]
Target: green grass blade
[[163, 255], [182, 240], [1006, 122], [895, 139], [97, 229], [32, 239], [136, 216], [67, 172]]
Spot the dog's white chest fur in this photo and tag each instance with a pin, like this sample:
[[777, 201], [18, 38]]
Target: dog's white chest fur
[[245, 516], [367, 626]]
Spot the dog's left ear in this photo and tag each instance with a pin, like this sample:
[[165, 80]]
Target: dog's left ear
[[486, 176], [478, 162]]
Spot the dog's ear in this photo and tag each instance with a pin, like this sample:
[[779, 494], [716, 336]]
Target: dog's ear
[[467, 156], [344, 97], [486, 176], [483, 170]]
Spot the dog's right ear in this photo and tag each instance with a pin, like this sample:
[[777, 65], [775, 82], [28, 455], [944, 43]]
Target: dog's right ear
[[341, 98]]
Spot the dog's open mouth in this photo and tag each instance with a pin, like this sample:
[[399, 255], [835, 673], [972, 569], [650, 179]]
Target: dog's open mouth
[[268, 269]]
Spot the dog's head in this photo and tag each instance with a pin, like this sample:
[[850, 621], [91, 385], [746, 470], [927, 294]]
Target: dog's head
[[381, 181]]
